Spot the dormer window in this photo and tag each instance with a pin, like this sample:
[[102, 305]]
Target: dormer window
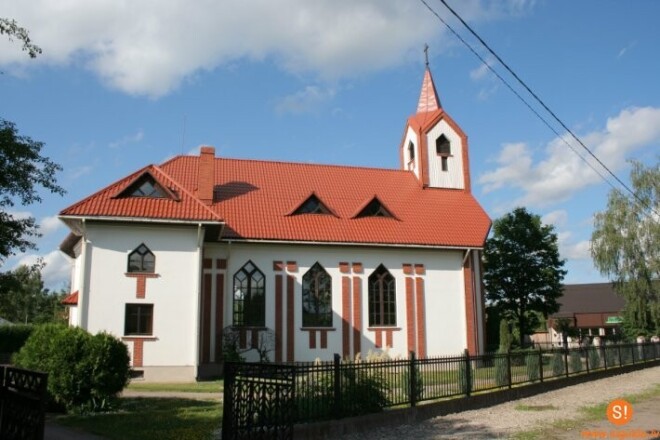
[[141, 260], [148, 187], [313, 205], [374, 209]]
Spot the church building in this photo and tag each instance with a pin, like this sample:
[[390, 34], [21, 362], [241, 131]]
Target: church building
[[299, 260]]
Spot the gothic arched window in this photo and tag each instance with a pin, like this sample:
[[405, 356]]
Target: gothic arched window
[[382, 298], [317, 298], [141, 260], [249, 296]]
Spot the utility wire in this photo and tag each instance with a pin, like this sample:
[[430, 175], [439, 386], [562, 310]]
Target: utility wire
[[536, 97]]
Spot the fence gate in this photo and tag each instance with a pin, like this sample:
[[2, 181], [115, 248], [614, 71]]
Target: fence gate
[[258, 401], [22, 404]]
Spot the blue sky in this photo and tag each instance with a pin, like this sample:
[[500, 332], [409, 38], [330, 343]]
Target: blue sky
[[123, 84]]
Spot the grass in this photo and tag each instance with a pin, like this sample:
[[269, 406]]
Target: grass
[[182, 387], [161, 418], [586, 414]]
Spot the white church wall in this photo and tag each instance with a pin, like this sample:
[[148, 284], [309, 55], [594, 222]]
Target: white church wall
[[453, 177], [174, 293], [443, 284]]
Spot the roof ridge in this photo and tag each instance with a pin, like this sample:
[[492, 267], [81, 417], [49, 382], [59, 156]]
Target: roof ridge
[[283, 162]]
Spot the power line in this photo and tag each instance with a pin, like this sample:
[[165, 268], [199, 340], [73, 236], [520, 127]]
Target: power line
[[536, 97]]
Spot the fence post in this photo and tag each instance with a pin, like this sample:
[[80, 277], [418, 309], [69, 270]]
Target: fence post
[[540, 364], [618, 348], [337, 386], [566, 360], [228, 426], [468, 374], [412, 378], [508, 366]]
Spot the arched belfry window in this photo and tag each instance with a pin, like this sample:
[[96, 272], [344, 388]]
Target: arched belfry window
[[249, 296], [443, 149], [317, 297], [382, 298], [411, 151], [141, 260]]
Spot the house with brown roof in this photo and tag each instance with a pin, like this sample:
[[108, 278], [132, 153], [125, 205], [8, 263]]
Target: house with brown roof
[[591, 309], [311, 259]]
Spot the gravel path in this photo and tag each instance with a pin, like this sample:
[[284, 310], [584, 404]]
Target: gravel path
[[501, 421]]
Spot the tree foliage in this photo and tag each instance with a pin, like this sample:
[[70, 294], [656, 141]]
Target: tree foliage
[[625, 246], [22, 171], [522, 269], [25, 300], [14, 31]]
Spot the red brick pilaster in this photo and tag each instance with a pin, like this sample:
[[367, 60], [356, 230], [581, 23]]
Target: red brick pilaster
[[141, 282], [290, 311], [357, 315], [206, 319], [345, 315], [469, 306], [279, 311], [219, 312], [421, 317], [410, 314]]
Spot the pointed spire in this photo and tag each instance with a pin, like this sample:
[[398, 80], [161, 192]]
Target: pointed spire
[[428, 98]]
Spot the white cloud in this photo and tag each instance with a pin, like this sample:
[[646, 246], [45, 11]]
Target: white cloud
[[557, 218], [561, 173], [305, 101], [57, 271], [20, 215], [50, 224], [625, 49], [80, 171], [149, 47], [129, 139]]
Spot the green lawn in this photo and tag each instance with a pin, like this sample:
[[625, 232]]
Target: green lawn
[[158, 418], [185, 387]]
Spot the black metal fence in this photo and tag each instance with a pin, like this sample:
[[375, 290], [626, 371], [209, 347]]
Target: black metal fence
[[264, 400], [22, 404]]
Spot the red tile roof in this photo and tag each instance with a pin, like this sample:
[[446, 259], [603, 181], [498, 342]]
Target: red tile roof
[[71, 299], [106, 203], [256, 198]]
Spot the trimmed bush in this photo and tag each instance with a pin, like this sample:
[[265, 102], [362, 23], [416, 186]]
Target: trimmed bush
[[557, 364], [575, 362], [611, 355], [532, 363], [501, 369], [13, 337], [594, 358], [85, 372]]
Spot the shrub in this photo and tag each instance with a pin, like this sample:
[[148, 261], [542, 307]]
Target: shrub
[[532, 362], [611, 355], [416, 388], [13, 337], [594, 358], [557, 363], [84, 372], [501, 369], [575, 361]]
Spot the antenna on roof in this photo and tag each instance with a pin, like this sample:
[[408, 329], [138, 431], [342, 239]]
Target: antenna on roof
[[426, 54]]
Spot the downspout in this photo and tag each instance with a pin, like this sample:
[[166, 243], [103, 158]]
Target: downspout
[[196, 319], [83, 306]]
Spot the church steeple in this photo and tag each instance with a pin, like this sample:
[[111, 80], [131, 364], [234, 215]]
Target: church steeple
[[428, 98], [434, 147]]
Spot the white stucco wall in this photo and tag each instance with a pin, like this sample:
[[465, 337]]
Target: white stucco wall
[[444, 291], [411, 136], [174, 293]]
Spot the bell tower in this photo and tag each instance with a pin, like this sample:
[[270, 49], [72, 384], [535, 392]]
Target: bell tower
[[434, 147]]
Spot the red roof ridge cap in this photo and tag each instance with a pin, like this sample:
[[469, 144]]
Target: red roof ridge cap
[[283, 162]]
